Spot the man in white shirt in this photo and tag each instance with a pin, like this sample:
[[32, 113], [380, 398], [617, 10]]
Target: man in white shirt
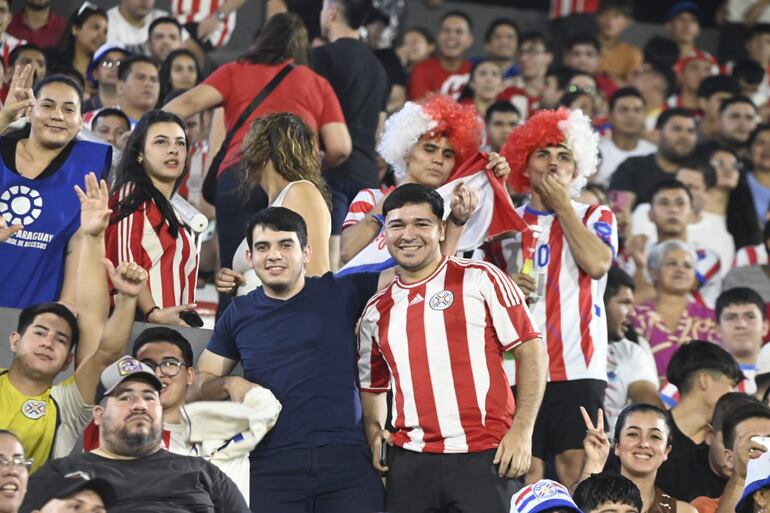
[[129, 21], [627, 112], [631, 373]]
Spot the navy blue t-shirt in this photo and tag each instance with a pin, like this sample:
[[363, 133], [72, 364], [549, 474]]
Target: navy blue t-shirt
[[304, 351]]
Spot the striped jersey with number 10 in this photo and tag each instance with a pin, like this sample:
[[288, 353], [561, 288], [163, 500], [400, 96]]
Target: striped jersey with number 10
[[440, 342]]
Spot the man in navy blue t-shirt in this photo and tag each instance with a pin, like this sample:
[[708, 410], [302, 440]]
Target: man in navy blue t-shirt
[[296, 336]]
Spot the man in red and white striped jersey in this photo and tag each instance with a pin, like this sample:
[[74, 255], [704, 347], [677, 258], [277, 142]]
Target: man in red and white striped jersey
[[436, 336], [562, 262]]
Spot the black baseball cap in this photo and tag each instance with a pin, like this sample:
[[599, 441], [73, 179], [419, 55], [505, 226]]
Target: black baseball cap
[[60, 487]]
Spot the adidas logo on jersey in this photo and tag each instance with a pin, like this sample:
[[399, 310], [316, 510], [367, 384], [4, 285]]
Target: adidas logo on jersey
[[417, 299]]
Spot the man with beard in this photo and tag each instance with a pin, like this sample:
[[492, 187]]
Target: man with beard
[[737, 119], [37, 24], [130, 454], [637, 176]]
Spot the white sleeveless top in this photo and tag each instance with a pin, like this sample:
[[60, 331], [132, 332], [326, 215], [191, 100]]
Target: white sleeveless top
[[241, 265]]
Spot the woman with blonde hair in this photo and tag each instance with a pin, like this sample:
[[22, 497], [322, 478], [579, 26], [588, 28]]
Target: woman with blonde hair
[[280, 154]]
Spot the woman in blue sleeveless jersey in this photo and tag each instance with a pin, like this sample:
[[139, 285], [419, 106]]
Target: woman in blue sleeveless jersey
[[144, 227]]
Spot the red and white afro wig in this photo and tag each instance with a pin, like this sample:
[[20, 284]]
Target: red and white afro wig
[[437, 116], [551, 128]]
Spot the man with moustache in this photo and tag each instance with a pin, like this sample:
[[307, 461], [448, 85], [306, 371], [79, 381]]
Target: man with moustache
[[637, 176], [130, 454]]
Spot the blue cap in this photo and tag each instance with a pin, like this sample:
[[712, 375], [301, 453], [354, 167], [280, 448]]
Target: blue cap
[[685, 6], [99, 54], [541, 496]]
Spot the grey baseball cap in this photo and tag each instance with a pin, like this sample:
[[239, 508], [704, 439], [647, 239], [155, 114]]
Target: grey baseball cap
[[123, 369]]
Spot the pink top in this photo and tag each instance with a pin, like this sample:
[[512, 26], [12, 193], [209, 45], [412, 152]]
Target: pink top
[[697, 322]]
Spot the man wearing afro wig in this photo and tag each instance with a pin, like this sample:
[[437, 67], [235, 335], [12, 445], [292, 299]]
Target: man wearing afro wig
[[423, 143], [561, 261]]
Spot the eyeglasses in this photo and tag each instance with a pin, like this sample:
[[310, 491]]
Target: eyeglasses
[[169, 367], [109, 63], [735, 166], [577, 89], [17, 462]]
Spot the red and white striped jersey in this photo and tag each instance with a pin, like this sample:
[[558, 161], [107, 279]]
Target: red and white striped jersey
[[571, 312], [363, 203], [195, 11], [171, 262], [751, 255], [564, 8], [440, 342]]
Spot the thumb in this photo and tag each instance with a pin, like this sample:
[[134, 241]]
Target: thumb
[[109, 267]]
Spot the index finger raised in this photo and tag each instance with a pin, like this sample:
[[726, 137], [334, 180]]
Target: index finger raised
[[586, 418]]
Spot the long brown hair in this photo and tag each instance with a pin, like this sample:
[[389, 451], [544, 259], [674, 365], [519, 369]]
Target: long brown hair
[[283, 37], [290, 144]]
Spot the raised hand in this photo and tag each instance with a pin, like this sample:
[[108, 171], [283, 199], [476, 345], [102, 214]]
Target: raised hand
[[6, 231], [170, 315], [129, 278], [227, 281], [94, 209], [555, 195], [498, 165], [20, 95], [464, 202], [596, 444]]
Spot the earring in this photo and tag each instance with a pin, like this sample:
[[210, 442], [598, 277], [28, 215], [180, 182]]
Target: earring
[[139, 159]]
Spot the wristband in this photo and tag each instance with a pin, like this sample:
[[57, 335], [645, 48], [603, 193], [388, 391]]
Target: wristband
[[453, 219], [149, 312]]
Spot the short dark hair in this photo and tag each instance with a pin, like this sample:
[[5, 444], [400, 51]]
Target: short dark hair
[[124, 69], [279, 219], [58, 78], [500, 106], [710, 86], [499, 22], [164, 20], [625, 92], [354, 11], [761, 127], [163, 334], [758, 29], [666, 116], [537, 37], [749, 71], [626, 7], [728, 102], [22, 48], [704, 168], [110, 111], [425, 33], [457, 13], [748, 409], [563, 74], [668, 185], [700, 356], [29, 314], [739, 296], [617, 279], [643, 408], [725, 407], [414, 193], [583, 39], [607, 487]]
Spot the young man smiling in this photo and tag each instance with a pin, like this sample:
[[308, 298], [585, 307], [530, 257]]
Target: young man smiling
[[443, 324]]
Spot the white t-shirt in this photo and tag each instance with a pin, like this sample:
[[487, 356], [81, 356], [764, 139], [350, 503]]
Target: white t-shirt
[[119, 29], [627, 363], [708, 233], [736, 9], [612, 157]]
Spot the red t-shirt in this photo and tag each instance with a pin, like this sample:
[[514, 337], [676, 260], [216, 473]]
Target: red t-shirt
[[303, 92], [46, 36], [430, 77]]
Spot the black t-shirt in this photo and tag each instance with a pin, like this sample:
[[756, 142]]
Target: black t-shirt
[[689, 475], [681, 444], [639, 175], [160, 483], [392, 65], [362, 87], [8, 153]]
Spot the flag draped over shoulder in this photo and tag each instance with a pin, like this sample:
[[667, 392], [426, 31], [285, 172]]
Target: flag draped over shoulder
[[493, 216]]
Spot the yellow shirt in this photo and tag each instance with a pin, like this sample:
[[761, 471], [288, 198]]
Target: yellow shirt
[[48, 424]]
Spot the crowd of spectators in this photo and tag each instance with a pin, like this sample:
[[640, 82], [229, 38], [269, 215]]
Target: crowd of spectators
[[529, 280]]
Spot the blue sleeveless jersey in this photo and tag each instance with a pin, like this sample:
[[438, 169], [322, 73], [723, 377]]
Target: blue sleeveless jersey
[[32, 260]]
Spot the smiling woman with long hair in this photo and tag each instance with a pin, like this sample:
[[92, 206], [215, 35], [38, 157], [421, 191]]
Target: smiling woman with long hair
[[144, 228]]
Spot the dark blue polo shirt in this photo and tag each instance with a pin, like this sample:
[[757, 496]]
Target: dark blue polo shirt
[[304, 351]]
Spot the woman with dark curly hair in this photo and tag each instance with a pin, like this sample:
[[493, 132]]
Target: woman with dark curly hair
[[144, 228]]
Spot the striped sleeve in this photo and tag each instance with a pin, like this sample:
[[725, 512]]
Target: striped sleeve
[[601, 221], [511, 318], [373, 371], [123, 240], [751, 255], [362, 204]]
